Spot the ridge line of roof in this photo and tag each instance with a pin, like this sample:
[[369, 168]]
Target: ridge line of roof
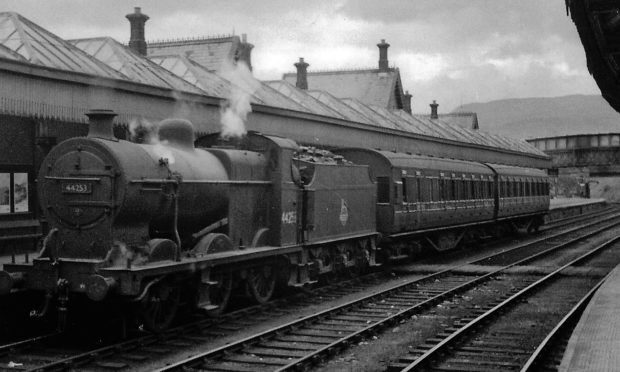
[[342, 71], [196, 38]]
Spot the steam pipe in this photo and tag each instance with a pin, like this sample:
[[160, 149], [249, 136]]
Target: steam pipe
[[177, 237]]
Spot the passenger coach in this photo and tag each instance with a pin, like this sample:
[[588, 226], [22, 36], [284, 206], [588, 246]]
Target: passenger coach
[[446, 200]]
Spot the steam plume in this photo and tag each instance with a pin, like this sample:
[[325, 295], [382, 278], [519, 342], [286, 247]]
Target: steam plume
[[143, 131], [235, 109]]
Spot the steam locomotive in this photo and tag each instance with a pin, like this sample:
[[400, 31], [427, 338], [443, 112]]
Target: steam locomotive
[[150, 224]]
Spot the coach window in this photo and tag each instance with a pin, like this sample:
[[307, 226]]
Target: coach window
[[383, 189], [418, 189], [14, 193], [442, 190], [412, 190], [540, 188]]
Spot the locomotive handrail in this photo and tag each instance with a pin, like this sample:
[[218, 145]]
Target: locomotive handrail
[[56, 178], [249, 182]]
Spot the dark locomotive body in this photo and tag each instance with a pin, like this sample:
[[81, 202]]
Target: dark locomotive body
[[147, 223], [142, 221]]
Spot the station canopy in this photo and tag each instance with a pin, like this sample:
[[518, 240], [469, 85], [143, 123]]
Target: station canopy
[[22, 40]]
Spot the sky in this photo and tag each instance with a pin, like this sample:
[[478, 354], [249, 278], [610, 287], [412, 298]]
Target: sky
[[452, 51]]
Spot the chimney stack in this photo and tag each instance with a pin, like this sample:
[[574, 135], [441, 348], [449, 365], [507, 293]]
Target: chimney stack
[[244, 51], [434, 106], [137, 43], [100, 124], [383, 55], [407, 102], [302, 74]]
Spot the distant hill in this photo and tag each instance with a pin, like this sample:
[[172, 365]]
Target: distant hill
[[545, 117]]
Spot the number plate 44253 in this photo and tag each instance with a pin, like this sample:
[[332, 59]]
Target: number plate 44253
[[76, 188]]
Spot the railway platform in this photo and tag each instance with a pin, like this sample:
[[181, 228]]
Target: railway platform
[[559, 203], [594, 344], [566, 207]]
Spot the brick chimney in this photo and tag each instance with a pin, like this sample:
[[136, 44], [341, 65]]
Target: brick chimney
[[383, 57], [302, 74], [244, 51], [137, 43], [407, 102], [434, 106]]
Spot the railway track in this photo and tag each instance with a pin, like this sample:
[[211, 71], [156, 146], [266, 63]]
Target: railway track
[[136, 351], [302, 343], [512, 334], [41, 353]]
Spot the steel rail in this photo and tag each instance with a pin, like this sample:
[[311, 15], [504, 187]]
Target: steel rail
[[565, 324], [248, 341], [8, 348], [445, 344], [151, 339]]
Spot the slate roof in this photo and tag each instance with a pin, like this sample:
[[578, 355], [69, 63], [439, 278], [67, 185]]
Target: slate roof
[[366, 99], [25, 41], [370, 86], [211, 53], [185, 68], [304, 99], [271, 97], [136, 67], [340, 106], [216, 86], [463, 119]]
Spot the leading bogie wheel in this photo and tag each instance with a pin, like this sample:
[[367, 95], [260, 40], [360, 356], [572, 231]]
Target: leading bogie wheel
[[261, 283], [160, 306]]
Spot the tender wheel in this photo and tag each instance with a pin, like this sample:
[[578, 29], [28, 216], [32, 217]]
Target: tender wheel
[[160, 306], [219, 294], [261, 282]]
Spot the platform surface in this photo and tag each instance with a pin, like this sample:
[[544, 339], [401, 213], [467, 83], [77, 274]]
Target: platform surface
[[595, 342], [557, 203]]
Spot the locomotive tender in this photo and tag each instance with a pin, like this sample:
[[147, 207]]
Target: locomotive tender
[[150, 223]]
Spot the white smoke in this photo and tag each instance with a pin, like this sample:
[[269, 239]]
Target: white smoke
[[162, 150], [143, 131], [121, 255], [235, 109]]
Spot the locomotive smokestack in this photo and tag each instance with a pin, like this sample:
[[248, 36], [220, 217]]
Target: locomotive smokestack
[[434, 106], [302, 74], [383, 55], [100, 124], [137, 43]]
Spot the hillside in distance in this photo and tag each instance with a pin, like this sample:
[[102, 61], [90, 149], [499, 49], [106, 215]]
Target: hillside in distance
[[546, 117]]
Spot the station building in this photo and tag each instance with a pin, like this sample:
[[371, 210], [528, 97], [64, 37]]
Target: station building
[[48, 84]]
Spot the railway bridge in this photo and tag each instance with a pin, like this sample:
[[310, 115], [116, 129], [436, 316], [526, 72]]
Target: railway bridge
[[589, 154]]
